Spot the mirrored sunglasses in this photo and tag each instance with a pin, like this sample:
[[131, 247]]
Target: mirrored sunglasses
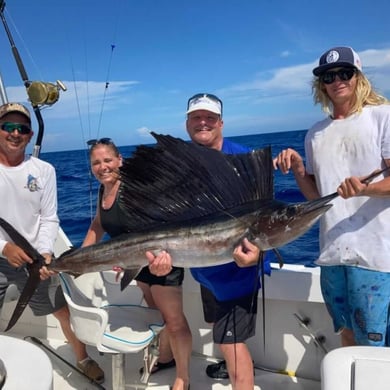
[[210, 96], [103, 141], [9, 127], [344, 74]]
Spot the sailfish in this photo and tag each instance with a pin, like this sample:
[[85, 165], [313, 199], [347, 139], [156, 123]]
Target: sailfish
[[194, 202]]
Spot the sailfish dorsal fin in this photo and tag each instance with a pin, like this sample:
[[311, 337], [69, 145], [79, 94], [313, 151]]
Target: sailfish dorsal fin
[[175, 181]]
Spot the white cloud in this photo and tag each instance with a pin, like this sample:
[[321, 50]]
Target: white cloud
[[81, 97], [296, 80], [143, 131]]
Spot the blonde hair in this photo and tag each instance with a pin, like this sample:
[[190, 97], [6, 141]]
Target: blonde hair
[[106, 142], [364, 95]]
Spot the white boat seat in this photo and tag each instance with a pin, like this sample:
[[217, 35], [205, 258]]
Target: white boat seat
[[356, 368], [114, 321], [21, 360]]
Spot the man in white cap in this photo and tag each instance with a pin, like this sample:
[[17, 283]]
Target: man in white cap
[[29, 203], [229, 291], [224, 305]]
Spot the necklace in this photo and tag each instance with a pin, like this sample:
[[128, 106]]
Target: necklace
[[109, 196]]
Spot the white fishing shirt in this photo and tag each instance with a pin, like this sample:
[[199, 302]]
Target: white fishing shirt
[[28, 201], [355, 231]]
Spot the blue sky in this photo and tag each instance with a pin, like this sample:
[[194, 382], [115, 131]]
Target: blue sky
[[257, 55]]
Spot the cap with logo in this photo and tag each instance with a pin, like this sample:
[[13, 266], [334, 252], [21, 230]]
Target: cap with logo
[[342, 56]]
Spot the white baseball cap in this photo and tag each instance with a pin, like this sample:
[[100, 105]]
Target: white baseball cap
[[205, 101]]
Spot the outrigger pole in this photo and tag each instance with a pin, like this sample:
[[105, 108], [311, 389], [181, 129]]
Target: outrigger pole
[[39, 92]]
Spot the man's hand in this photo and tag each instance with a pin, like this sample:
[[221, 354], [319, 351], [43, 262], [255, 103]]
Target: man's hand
[[44, 272], [352, 186], [246, 254], [289, 159], [161, 264], [15, 255]]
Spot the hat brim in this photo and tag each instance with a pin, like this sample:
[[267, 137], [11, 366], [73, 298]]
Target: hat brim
[[205, 107], [323, 68]]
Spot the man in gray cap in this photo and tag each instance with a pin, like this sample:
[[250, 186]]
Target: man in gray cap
[[28, 202]]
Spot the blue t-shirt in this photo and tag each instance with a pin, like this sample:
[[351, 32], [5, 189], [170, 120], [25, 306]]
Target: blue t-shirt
[[229, 281]]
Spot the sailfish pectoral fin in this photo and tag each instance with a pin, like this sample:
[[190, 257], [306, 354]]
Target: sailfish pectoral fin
[[279, 257], [128, 275], [28, 291]]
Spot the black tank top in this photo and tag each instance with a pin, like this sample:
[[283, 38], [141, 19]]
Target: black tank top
[[113, 220]]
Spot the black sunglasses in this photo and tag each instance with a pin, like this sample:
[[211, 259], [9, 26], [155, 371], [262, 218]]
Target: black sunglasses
[[9, 127], [103, 141], [344, 74], [210, 96]]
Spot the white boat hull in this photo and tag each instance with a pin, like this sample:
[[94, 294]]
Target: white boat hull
[[292, 355]]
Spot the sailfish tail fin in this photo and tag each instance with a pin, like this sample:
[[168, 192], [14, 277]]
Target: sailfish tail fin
[[33, 269], [19, 240], [28, 291]]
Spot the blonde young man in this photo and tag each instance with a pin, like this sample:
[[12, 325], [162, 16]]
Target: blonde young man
[[352, 141]]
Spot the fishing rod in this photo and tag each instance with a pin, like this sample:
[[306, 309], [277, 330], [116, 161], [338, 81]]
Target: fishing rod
[[40, 93], [42, 345]]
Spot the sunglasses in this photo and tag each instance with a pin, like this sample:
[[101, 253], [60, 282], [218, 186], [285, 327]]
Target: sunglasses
[[9, 127], [210, 96], [103, 141], [344, 74]]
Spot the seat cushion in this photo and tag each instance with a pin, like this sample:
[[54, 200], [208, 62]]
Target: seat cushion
[[131, 327]]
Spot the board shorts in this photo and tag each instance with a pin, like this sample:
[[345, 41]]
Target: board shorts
[[47, 299], [174, 278], [358, 299], [234, 320]]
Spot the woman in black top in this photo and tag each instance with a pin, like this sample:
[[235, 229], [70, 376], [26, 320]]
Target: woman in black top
[[161, 292]]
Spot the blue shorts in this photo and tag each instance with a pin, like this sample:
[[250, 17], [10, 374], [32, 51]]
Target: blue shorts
[[358, 299]]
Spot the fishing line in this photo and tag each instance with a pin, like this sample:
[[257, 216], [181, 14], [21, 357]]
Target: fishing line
[[86, 154], [254, 295], [107, 83], [105, 91], [9, 17], [260, 268]]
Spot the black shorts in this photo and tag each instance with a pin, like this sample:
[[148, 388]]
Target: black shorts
[[234, 320], [174, 278], [209, 304]]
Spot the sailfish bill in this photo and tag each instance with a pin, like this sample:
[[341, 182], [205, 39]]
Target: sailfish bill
[[194, 202]]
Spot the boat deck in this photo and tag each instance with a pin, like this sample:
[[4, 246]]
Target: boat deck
[[289, 345], [65, 378]]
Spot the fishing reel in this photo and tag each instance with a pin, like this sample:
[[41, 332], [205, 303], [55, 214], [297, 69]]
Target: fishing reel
[[41, 92]]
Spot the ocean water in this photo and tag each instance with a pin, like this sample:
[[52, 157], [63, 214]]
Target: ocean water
[[77, 190]]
